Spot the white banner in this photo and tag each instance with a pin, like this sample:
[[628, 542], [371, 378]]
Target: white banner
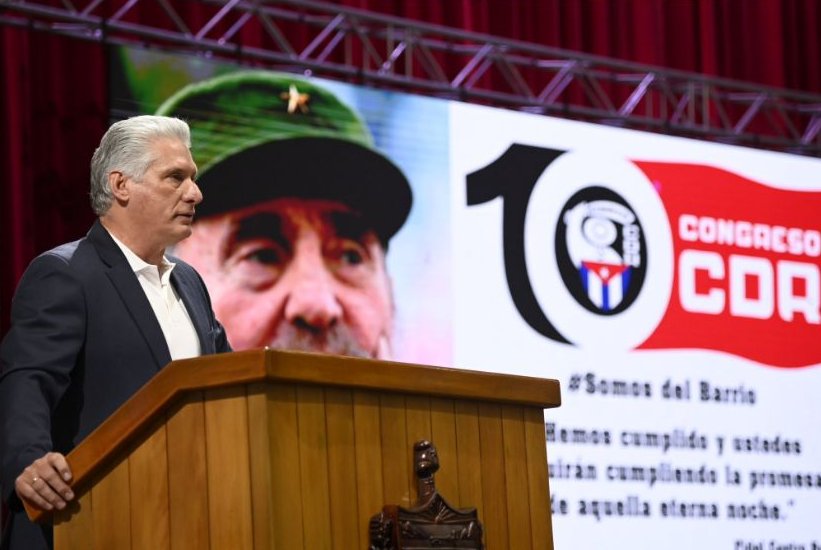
[[672, 446]]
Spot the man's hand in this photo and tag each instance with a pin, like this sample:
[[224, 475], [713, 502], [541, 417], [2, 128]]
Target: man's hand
[[44, 483]]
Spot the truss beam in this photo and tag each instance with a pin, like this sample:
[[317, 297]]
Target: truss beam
[[337, 42]]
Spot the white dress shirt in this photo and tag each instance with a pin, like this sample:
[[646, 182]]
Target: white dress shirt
[[174, 320]]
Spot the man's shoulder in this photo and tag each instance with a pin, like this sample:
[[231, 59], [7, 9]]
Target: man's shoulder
[[79, 260], [65, 252], [60, 271], [79, 254]]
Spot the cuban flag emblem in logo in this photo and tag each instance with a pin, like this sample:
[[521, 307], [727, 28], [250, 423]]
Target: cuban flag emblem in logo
[[605, 284]]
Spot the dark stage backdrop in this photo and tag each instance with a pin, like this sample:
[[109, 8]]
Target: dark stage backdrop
[[54, 102]]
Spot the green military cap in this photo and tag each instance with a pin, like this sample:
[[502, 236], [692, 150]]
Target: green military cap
[[259, 135]]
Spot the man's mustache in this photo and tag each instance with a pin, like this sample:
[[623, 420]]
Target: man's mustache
[[336, 340]]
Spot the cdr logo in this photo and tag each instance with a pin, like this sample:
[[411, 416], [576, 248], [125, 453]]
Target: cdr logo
[[607, 253], [600, 250], [579, 266]]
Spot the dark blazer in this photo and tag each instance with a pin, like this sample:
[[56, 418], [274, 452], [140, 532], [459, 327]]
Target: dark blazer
[[83, 339]]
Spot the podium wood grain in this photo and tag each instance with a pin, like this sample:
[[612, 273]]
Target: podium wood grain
[[284, 450]]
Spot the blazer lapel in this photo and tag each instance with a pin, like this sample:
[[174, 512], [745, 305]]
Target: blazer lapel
[[196, 309], [132, 294]]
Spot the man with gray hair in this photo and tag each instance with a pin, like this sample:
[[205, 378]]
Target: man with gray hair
[[93, 320]]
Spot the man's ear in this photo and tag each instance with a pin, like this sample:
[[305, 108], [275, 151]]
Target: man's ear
[[117, 184]]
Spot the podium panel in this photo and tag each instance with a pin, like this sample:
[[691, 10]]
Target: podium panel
[[297, 450]]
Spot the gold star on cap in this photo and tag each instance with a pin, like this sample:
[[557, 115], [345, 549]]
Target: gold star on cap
[[295, 100]]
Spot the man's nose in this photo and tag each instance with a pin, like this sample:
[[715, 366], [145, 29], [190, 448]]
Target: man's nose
[[193, 193], [311, 302]]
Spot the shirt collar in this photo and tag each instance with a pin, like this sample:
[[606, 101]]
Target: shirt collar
[[138, 265]]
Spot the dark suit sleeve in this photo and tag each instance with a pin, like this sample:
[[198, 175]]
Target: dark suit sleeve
[[37, 358]]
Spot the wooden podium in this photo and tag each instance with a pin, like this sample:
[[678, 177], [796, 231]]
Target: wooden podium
[[284, 450]]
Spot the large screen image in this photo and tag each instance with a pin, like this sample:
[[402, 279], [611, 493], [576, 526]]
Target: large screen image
[[672, 286]]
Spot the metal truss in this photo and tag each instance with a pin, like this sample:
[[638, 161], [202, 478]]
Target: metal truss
[[320, 38]]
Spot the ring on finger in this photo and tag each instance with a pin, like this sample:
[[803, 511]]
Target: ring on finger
[[34, 480]]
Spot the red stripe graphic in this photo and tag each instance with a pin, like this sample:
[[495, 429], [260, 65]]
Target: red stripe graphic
[[746, 279]]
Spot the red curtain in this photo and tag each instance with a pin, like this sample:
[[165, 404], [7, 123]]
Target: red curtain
[[772, 42], [53, 110], [53, 98]]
